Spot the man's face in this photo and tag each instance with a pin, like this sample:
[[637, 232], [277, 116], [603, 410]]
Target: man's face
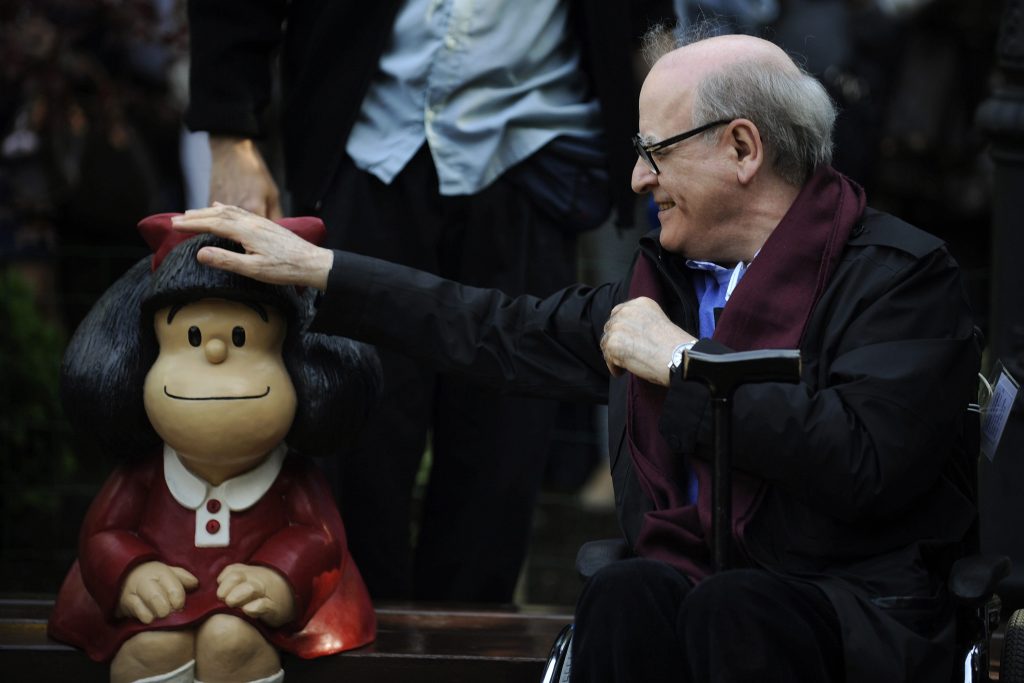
[[692, 188], [219, 392]]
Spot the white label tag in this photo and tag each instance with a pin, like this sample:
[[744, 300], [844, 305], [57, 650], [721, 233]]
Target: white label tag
[[996, 412]]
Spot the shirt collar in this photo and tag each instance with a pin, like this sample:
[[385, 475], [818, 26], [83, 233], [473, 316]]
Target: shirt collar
[[709, 266], [727, 277], [238, 493]]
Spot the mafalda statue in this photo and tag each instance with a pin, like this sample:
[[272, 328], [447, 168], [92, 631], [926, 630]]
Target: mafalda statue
[[215, 543]]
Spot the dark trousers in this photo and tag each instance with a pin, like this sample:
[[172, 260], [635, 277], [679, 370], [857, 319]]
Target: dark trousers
[[488, 449], [641, 620]]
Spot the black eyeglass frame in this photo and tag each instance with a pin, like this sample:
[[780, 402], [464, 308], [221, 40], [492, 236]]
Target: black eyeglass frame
[[645, 151]]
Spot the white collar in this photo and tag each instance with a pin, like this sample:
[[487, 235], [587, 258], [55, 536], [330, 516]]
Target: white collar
[[718, 272], [238, 493]]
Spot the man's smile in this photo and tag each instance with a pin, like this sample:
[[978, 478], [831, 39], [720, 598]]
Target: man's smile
[[214, 398]]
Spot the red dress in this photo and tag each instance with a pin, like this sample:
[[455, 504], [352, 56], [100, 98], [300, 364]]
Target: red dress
[[294, 528]]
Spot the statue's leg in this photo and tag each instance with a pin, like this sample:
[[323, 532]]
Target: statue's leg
[[230, 650], [152, 656]]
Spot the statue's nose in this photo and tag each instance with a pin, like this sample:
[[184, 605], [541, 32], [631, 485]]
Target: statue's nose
[[216, 351]]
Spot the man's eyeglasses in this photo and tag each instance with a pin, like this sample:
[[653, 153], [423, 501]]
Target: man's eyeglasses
[[646, 152]]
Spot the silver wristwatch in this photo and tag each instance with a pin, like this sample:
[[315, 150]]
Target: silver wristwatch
[[678, 353]]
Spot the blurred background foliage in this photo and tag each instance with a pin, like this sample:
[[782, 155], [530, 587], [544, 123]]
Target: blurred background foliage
[[90, 103]]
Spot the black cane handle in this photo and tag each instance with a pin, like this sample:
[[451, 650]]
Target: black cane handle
[[724, 372]]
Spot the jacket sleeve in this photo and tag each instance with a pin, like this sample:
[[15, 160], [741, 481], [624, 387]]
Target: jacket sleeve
[[109, 546], [869, 431], [525, 345], [307, 552], [232, 45]]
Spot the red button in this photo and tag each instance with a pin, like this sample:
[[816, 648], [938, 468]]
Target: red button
[[213, 506], [212, 527]]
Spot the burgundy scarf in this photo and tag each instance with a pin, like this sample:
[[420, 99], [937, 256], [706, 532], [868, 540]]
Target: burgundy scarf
[[769, 309]]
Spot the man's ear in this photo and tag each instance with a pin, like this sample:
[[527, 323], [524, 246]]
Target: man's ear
[[748, 152]]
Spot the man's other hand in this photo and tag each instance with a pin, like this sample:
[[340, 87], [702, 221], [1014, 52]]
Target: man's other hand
[[639, 338], [239, 176]]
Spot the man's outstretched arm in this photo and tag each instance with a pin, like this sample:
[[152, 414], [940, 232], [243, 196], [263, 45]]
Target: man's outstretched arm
[[526, 345]]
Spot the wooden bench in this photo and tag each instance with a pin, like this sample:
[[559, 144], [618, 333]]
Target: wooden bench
[[414, 643]]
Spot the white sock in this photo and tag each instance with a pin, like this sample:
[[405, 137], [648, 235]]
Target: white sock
[[273, 678], [183, 674]]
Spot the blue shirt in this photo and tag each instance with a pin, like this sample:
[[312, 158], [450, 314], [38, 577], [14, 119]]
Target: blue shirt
[[714, 285], [485, 83]]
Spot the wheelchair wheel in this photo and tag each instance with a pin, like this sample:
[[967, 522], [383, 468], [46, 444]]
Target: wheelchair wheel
[[1011, 663], [560, 660]]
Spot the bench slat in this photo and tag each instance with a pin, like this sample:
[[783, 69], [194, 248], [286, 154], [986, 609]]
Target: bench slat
[[414, 643]]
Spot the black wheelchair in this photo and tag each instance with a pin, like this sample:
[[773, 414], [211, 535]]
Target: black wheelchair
[[972, 581]]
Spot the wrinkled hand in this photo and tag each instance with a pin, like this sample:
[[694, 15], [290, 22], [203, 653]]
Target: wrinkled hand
[[153, 590], [260, 592], [239, 176], [639, 338], [272, 254]]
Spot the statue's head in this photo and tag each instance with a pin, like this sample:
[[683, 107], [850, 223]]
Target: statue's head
[[216, 365]]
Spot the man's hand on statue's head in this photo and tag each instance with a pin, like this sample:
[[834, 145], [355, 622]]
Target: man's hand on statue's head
[[153, 590], [639, 338], [272, 253], [260, 592]]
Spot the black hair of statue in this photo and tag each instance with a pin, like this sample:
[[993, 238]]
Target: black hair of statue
[[256, 306], [336, 379]]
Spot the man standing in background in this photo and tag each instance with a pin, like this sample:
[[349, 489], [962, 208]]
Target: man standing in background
[[473, 140]]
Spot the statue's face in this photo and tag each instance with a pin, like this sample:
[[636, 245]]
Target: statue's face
[[219, 392]]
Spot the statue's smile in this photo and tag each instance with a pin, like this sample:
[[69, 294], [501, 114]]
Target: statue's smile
[[214, 398]]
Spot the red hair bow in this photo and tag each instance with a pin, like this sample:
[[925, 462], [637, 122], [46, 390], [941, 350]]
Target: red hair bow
[[161, 237]]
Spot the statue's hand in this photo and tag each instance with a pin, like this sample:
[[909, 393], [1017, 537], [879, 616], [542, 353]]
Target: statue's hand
[[153, 590], [260, 592]]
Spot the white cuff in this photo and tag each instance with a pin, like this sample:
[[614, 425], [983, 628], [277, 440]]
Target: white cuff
[[183, 674], [274, 678]]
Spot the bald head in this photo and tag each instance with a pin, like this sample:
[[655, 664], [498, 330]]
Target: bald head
[[718, 52], [737, 76]]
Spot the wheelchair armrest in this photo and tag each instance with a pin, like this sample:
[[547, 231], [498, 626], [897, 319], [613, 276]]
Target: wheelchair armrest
[[594, 555], [973, 578]]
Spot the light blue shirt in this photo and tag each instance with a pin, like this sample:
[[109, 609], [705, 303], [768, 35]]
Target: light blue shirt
[[714, 285], [485, 83]]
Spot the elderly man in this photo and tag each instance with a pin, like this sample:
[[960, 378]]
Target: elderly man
[[849, 494]]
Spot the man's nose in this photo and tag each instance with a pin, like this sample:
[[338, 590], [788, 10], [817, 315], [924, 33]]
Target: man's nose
[[216, 351], [644, 179]]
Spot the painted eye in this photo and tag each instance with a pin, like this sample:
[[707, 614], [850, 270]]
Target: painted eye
[[238, 336], [195, 337]]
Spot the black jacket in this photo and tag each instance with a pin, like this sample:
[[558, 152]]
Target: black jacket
[[869, 496], [330, 51]]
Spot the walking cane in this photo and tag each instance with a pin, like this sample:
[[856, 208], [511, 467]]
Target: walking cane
[[723, 373]]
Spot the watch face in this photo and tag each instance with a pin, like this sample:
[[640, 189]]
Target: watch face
[[678, 353]]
